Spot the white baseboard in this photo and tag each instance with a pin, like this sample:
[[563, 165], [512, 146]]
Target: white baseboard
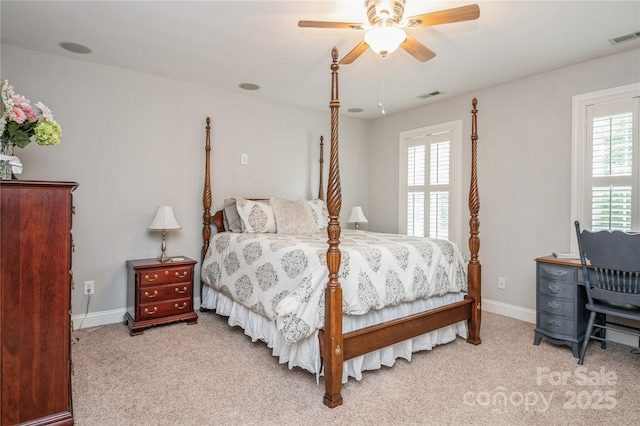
[[95, 319], [528, 315]]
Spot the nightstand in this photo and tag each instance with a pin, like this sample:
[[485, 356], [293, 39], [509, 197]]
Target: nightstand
[[159, 293]]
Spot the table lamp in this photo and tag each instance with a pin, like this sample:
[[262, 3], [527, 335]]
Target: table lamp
[[164, 221], [357, 215]]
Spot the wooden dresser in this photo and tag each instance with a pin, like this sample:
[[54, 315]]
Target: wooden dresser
[[35, 295]]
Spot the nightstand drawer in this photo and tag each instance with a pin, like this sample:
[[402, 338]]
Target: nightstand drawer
[[557, 325], [164, 275], [556, 306], [557, 272], [556, 289], [163, 292], [163, 309]]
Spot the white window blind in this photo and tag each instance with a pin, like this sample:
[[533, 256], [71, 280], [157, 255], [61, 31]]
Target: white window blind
[[428, 183]]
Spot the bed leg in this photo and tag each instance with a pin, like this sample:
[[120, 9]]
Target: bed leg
[[476, 306]]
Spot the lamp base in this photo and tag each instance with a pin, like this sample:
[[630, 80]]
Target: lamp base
[[163, 258]]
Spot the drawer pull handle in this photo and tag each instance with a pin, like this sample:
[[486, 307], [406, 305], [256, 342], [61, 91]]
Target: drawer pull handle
[[151, 296], [554, 305], [148, 278], [184, 290], [555, 289], [184, 305], [555, 323], [555, 273], [155, 309], [181, 275]]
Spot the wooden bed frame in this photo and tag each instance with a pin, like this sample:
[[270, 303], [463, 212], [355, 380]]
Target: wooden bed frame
[[336, 346]]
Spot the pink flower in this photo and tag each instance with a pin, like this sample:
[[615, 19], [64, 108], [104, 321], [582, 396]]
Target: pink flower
[[19, 114], [31, 115]]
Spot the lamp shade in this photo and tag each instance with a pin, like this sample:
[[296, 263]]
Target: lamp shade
[[357, 215], [384, 39], [164, 220]]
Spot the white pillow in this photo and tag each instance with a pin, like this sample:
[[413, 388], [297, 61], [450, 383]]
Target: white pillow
[[320, 213], [293, 216], [255, 216]]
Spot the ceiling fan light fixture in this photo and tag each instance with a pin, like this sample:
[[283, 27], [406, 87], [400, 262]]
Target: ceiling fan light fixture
[[385, 39]]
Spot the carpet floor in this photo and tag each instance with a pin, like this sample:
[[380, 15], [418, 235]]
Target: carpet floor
[[212, 374]]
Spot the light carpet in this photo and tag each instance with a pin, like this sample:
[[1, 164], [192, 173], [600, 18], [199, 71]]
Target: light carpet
[[212, 374]]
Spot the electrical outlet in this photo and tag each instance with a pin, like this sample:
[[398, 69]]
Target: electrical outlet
[[89, 288], [502, 283]]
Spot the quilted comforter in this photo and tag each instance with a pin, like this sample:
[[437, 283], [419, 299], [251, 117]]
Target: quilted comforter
[[283, 277]]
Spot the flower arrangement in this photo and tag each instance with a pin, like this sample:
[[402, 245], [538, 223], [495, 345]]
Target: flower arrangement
[[20, 123]]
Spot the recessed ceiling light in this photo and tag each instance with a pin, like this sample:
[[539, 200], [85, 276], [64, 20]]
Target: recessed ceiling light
[[355, 110], [249, 86], [75, 47]]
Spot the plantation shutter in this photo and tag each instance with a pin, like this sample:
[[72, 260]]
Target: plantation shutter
[[613, 164], [429, 185]]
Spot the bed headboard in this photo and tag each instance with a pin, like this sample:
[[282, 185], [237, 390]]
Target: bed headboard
[[217, 219]]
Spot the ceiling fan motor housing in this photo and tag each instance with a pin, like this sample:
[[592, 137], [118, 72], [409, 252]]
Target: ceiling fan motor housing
[[384, 12]]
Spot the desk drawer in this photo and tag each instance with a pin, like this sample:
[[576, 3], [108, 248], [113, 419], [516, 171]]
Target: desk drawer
[[556, 306], [557, 326], [557, 272], [556, 289]]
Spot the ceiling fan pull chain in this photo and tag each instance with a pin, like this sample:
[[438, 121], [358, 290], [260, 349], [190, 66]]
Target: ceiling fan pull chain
[[381, 102]]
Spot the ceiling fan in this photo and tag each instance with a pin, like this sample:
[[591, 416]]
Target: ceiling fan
[[385, 32]]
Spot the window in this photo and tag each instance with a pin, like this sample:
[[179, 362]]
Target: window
[[606, 160], [429, 181]]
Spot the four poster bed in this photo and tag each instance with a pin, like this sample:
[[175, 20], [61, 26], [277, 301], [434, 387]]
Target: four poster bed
[[361, 303]]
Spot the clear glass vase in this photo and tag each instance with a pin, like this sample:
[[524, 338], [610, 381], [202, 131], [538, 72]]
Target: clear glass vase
[[6, 150]]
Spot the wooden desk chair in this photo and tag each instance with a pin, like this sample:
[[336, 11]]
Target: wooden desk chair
[[613, 287]]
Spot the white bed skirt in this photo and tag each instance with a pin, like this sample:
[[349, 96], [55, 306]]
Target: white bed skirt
[[306, 353]]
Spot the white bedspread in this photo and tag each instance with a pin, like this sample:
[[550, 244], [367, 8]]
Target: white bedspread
[[283, 277]]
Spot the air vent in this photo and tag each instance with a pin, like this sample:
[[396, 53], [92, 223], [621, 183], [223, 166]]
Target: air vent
[[428, 95], [626, 37]]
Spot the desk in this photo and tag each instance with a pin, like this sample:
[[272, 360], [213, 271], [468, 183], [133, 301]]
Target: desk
[[561, 316]]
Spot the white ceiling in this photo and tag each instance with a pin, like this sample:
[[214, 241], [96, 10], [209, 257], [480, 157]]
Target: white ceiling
[[225, 43]]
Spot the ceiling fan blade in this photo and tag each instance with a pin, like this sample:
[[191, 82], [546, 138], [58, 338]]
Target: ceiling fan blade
[[417, 49], [447, 16], [339, 25], [355, 52]]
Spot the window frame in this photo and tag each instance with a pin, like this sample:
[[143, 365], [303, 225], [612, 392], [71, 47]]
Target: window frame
[[455, 178], [580, 203]]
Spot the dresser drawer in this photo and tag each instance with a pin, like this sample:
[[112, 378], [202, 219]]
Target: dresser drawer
[[557, 272], [556, 306], [161, 293], [557, 326], [162, 309], [164, 275], [556, 289]]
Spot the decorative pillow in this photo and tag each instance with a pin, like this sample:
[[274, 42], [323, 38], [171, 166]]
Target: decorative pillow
[[255, 216], [320, 213], [293, 216], [231, 217]]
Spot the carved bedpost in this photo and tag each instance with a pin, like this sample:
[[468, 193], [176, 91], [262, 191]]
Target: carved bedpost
[[474, 268], [321, 189], [206, 195], [333, 341]]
